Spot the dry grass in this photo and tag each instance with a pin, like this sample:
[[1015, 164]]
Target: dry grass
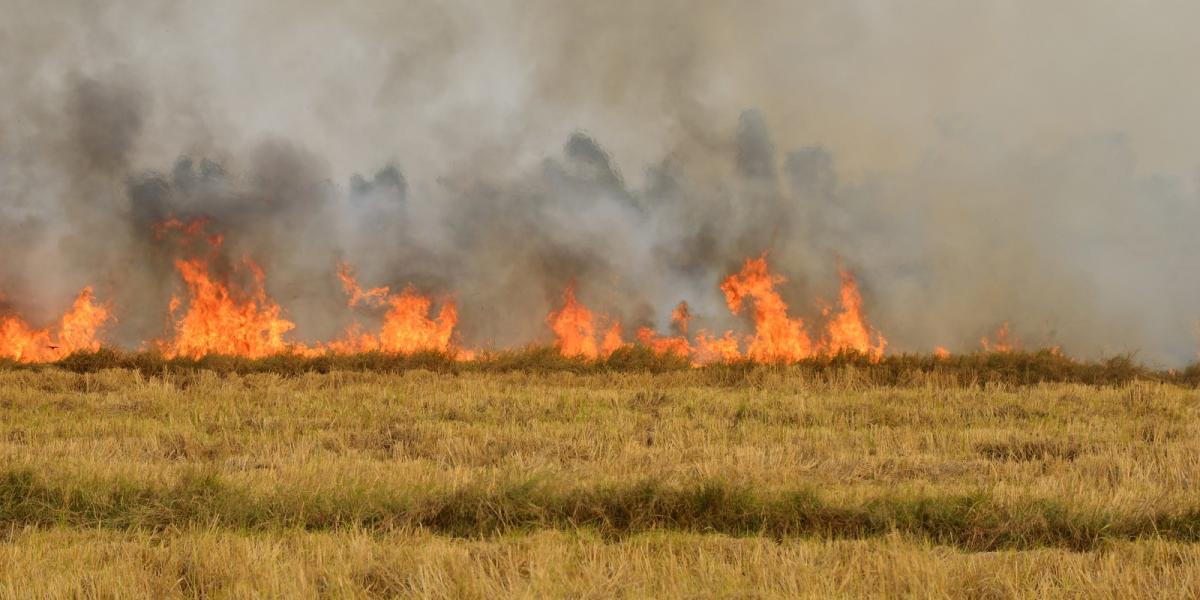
[[534, 482], [59, 563]]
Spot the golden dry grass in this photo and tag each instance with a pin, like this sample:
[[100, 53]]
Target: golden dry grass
[[199, 484], [56, 563]]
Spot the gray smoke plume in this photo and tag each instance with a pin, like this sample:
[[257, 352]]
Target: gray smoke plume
[[970, 164]]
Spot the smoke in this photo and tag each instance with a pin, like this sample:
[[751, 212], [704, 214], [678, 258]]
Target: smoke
[[970, 164]]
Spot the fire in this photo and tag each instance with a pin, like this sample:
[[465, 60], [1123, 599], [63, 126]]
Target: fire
[[221, 319], [75, 331], [1001, 342], [20, 342], [777, 337], [711, 349], [78, 328], [941, 352], [848, 329], [663, 345], [612, 340], [673, 345], [226, 310], [574, 327], [357, 296], [407, 326], [780, 338], [680, 317], [193, 229]]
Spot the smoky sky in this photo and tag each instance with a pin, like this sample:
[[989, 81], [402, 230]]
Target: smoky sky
[[971, 163]]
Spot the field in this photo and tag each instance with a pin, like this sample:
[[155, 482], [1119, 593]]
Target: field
[[125, 477]]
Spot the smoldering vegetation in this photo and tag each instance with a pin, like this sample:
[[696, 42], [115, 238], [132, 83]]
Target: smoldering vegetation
[[492, 155]]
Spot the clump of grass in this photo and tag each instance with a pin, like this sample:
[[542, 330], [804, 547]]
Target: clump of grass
[[531, 359], [1029, 450], [642, 359], [978, 369]]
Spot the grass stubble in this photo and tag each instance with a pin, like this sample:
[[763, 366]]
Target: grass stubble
[[1018, 476]]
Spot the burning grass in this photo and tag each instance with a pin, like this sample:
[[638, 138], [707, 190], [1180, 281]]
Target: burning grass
[[224, 309], [222, 326]]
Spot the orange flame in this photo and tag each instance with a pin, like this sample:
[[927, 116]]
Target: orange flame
[[223, 320], [355, 291], [407, 326], [220, 318], [574, 328], [941, 352], [612, 340], [190, 229], [680, 317], [75, 331], [711, 349], [663, 345], [1002, 342], [848, 329], [780, 338], [673, 345], [777, 337]]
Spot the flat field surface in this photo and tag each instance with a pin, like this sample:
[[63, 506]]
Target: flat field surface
[[481, 485]]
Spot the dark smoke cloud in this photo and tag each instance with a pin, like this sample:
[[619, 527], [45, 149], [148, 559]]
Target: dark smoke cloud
[[970, 165]]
